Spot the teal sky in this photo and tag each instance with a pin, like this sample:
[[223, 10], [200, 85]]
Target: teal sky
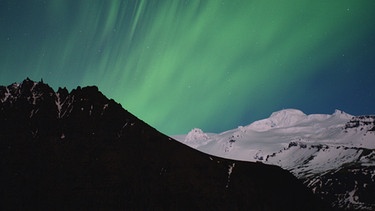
[[210, 64]]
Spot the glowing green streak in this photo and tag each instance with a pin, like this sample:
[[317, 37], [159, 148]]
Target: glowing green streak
[[184, 64], [193, 59]]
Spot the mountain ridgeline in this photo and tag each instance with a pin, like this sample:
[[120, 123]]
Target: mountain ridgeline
[[79, 150], [333, 155]]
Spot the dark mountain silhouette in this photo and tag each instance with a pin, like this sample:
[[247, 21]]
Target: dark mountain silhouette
[[79, 150]]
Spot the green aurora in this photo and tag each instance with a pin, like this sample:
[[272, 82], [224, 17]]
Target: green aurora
[[210, 64]]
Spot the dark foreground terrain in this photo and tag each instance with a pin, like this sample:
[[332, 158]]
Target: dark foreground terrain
[[80, 150]]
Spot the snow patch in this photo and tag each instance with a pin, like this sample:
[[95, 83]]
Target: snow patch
[[6, 95], [230, 170], [58, 104], [104, 108]]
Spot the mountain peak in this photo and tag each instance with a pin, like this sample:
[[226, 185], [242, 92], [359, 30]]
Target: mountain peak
[[287, 111], [287, 116], [342, 114], [27, 90], [196, 137], [282, 118]]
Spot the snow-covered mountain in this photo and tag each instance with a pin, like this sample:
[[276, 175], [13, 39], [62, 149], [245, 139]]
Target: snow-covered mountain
[[332, 154]]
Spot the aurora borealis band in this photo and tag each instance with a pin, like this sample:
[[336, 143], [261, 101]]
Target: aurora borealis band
[[213, 64]]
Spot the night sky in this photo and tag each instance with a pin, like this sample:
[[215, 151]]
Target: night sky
[[212, 64]]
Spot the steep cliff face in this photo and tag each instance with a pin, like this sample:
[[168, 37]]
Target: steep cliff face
[[80, 150]]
